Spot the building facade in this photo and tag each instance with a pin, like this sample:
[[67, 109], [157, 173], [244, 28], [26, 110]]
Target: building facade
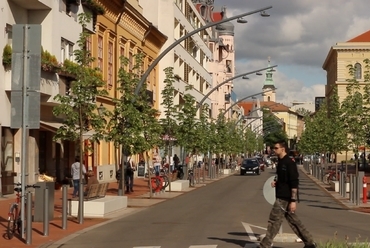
[[122, 30], [342, 54]]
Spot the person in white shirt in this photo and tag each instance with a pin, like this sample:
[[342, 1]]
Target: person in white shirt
[[75, 171]]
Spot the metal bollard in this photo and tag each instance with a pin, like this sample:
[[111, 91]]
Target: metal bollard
[[28, 220], [340, 184], [46, 212], [64, 206], [356, 190], [351, 189]]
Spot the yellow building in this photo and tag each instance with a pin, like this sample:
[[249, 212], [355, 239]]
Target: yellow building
[[352, 52], [122, 31]]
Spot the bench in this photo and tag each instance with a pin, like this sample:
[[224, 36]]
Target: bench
[[96, 191]]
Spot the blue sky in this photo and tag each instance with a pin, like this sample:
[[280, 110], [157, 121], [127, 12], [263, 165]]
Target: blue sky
[[297, 36]]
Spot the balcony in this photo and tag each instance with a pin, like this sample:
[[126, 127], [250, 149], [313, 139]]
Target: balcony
[[34, 4], [180, 87]]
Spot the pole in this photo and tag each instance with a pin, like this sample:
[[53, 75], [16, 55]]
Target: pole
[[231, 79], [232, 105], [46, 212], [64, 207], [24, 160], [364, 190], [168, 49], [29, 219]]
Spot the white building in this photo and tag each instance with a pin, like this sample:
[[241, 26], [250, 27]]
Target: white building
[[190, 58], [60, 32]]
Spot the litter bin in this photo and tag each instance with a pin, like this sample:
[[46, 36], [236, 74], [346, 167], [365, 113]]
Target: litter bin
[[39, 201]]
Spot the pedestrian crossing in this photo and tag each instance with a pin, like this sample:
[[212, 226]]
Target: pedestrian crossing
[[248, 245], [192, 246]]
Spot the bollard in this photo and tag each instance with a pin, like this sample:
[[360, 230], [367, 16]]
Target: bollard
[[351, 188], [46, 212], [364, 190], [356, 198], [28, 220], [64, 206]]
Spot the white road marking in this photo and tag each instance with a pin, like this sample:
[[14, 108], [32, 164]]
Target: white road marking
[[260, 227], [146, 247], [203, 246], [249, 231]]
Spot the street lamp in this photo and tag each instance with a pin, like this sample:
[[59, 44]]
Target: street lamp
[[230, 79], [178, 41], [232, 105]]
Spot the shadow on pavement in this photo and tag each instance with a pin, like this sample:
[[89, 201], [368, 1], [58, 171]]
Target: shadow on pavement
[[323, 206]]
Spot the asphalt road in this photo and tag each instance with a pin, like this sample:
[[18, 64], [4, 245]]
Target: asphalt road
[[220, 214]]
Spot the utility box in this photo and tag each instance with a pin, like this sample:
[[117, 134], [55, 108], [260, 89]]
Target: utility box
[[40, 198]]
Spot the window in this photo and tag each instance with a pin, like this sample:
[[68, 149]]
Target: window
[[121, 55], [268, 98], [131, 61], [100, 52], [66, 50], [358, 71], [110, 65], [228, 66]]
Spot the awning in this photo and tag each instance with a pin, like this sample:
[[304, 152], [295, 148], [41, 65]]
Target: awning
[[54, 126]]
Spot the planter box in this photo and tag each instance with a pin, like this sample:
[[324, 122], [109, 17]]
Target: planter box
[[335, 185]]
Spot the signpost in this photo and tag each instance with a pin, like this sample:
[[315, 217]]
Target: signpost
[[25, 94]]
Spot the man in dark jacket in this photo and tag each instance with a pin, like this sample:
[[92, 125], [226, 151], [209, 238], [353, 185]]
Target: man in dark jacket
[[286, 188]]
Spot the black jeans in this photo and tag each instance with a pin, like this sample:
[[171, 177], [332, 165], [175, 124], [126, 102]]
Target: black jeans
[[129, 182]]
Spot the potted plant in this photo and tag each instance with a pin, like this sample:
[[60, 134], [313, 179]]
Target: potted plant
[[49, 62], [7, 57]]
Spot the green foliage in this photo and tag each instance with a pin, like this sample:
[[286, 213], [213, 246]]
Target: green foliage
[[78, 109], [272, 129], [303, 111], [187, 133], [48, 61], [168, 123], [7, 56], [203, 130], [133, 122], [94, 6]]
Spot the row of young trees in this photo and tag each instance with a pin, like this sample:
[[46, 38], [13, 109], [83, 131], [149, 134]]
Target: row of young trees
[[341, 126], [133, 124]]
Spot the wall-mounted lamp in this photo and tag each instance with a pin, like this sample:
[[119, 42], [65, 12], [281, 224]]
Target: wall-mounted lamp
[[17, 156]]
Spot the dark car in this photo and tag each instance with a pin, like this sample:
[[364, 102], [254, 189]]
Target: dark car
[[250, 165]]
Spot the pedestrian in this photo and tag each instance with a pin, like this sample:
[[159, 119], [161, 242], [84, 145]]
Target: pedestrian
[[286, 189], [75, 171], [176, 160], [129, 177]]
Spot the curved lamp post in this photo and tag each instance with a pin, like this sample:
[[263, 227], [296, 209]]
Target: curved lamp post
[[232, 105], [169, 48], [230, 79]]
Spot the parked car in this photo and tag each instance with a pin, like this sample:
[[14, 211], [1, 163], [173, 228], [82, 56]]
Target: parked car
[[250, 165]]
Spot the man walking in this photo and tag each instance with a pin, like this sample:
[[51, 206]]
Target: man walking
[[75, 171], [286, 188]]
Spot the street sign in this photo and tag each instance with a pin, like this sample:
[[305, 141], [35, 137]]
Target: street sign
[[26, 75]]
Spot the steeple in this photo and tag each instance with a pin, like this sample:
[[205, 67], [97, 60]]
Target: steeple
[[269, 85]]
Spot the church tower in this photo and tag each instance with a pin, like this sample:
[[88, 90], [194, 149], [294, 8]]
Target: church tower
[[269, 85]]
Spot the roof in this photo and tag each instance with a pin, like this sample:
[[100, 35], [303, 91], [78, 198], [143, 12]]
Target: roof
[[364, 37], [273, 106]]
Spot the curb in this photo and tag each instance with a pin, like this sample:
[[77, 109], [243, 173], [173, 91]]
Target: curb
[[59, 243]]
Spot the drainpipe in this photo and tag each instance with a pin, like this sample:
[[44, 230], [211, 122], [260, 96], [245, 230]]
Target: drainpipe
[[121, 185]]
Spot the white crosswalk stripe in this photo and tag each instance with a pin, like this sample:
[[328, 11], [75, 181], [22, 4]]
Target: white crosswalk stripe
[[192, 246]]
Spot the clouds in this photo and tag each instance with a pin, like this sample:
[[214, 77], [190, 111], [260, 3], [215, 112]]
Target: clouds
[[298, 36]]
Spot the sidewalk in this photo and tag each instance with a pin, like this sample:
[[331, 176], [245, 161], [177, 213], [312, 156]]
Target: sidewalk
[[344, 201], [137, 200]]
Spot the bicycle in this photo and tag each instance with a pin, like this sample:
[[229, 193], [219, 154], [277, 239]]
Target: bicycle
[[14, 215]]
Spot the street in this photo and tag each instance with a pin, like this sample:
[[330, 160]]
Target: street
[[223, 214]]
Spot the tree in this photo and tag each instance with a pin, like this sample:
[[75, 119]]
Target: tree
[[187, 133], [78, 108], [303, 111], [272, 129], [355, 112], [133, 123], [169, 125]]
